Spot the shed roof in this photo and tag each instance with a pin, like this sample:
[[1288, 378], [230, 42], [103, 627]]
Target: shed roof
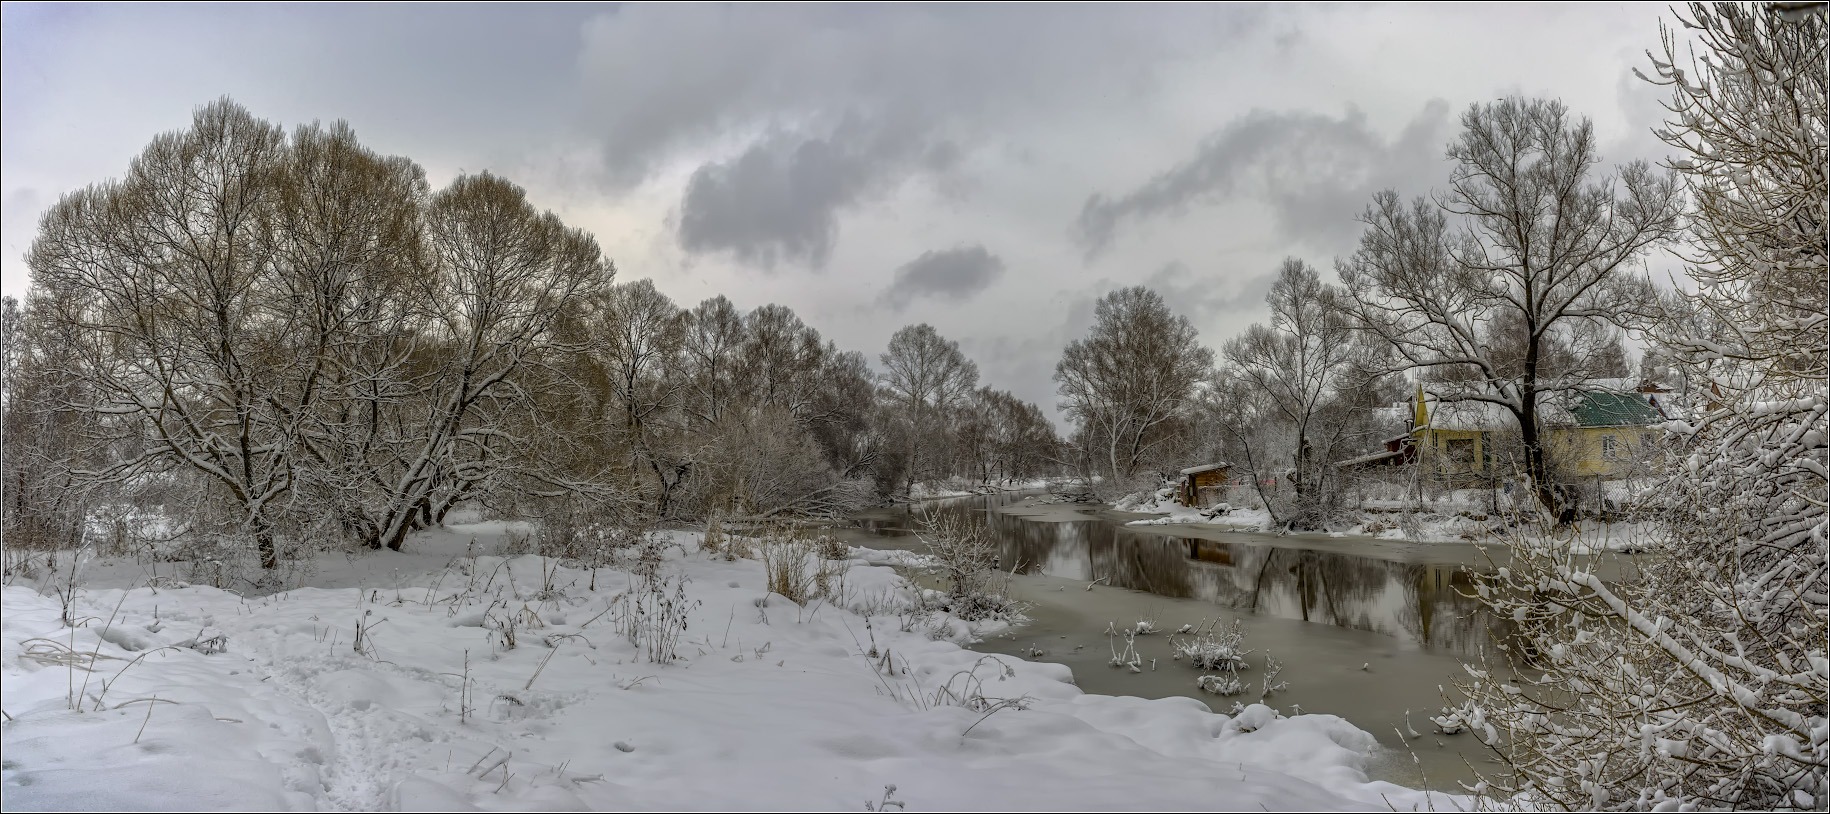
[[1196, 470]]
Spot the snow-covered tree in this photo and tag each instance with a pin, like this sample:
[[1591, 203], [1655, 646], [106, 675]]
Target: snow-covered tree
[[1527, 249], [1704, 683]]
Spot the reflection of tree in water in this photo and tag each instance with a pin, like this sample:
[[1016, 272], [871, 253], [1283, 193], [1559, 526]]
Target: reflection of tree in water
[[1417, 603], [1142, 562], [1428, 605]]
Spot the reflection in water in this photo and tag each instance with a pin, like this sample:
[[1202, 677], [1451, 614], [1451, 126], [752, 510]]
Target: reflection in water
[[1427, 606]]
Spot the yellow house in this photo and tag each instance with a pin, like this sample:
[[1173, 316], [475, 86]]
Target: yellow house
[[1601, 433]]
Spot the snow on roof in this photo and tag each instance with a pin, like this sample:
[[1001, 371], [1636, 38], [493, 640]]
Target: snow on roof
[[1612, 385], [1366, 459], [1196, 470], [1469, 415]]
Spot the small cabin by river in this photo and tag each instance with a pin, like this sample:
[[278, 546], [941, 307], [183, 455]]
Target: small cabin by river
[[1203, 486]]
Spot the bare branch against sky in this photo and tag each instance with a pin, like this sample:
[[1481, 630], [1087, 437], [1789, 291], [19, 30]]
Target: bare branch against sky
[[991, 170]]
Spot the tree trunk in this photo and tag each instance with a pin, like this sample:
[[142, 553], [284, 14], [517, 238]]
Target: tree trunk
[[263, 541], [1549, 496]]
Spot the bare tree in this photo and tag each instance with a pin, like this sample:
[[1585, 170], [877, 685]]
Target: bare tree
[[712, 339], [1525, 240], [159, 286], [1305, 364], [44, 443], [504, 277], [1132, 379], [780, 359], [926, 377]]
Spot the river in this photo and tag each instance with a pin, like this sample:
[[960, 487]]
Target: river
[[1375, 631]]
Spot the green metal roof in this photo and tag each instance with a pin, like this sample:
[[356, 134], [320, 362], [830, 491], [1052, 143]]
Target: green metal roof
[[1599, 409]]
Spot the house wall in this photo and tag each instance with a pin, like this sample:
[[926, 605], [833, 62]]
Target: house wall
[[1573, 451], [1216, 477], [1579, 451], [1434, 446]]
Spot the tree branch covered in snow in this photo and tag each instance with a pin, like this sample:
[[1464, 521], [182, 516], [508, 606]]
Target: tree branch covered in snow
[[1703, 682]]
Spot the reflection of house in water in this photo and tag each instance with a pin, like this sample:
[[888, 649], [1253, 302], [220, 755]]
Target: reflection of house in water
[[1441, 586], [1209, 551]]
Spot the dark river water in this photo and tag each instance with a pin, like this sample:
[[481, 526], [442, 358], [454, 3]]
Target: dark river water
[[1376, 631]]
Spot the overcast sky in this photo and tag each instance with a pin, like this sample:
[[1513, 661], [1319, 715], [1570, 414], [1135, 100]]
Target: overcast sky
[[989, 170]]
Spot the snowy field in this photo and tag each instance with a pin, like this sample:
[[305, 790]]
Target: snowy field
[[480, 682]]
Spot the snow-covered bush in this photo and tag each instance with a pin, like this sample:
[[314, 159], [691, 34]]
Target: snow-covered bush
[[827, 547], [1220, 684], [966, 557], [1147, 501], [1703, 683], [1212, 647]]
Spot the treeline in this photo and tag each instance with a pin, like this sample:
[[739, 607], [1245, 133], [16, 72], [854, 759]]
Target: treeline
[[1511, 288], [294, 337]]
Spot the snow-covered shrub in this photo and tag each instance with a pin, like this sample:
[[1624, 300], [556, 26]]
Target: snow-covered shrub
[[1147, 501], [516, 543], [829, 579], [1268, 683], [587, 532], [1454, 720], [1703, 682], [1126, 657], [712, 541], [1212, 647], [1253, 717], [967, 562], [828, 547], [1220, 684]]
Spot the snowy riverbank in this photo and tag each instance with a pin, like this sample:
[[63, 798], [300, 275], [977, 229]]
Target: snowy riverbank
[[769, 705], [1447, 521]]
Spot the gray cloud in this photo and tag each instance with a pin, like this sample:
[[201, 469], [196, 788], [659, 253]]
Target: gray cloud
[[951, 275], [853, 136], [1205, 297], [1316, 172], [780, 199], [806, 112], [662, 79]]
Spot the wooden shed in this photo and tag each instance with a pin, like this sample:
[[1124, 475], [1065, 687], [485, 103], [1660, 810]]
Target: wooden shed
[[1204, 486]]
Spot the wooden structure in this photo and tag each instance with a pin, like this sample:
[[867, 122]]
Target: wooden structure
[[1399, 451], [1203, 486]]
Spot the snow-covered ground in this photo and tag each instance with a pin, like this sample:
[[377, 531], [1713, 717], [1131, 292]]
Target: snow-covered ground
[[927, 490], [180, 697], [1460, 516]]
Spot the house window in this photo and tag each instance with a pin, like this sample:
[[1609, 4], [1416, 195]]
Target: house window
[[1610, 448], [1461, 453], [1486, 451]]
